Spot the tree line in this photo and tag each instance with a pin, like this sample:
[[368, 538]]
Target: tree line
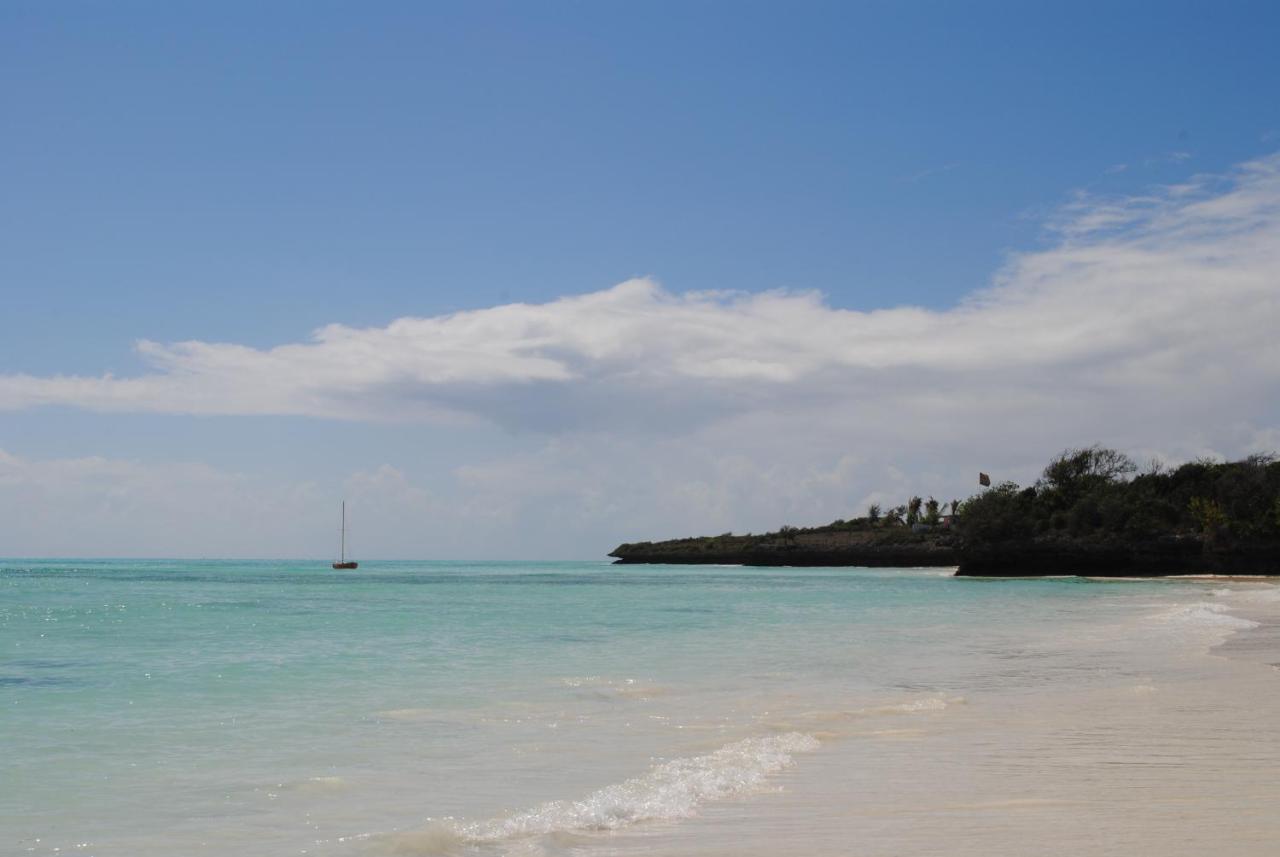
[[1096, 492], [916, 511]]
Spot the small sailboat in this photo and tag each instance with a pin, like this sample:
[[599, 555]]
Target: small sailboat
[[342, 555]]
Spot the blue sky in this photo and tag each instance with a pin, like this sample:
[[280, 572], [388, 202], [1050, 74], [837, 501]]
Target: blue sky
[[249, 173]]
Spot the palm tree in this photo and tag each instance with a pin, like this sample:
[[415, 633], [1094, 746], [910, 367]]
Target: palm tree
[[913, 511], [931, 512]]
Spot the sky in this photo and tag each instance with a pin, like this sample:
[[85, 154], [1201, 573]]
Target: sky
[[525, 281]]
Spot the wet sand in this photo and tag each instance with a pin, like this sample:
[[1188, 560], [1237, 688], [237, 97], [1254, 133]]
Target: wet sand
[[1181, 761]]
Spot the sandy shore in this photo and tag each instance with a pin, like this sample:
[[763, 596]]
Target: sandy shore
[[1260, 644], [1180, 761]]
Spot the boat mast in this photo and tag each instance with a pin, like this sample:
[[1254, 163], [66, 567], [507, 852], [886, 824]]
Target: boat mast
[[342, 551]]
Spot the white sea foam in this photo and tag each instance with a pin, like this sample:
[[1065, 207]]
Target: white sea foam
[[913, 706], [1262, 595], [670, 790], [839, 722], [928, 703], [605, 688], [1207, 615]]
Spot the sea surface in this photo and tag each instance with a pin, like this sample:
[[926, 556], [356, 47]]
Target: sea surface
[[409, 708]]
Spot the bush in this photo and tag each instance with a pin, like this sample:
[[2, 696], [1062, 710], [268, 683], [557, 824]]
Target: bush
[[1001, 513], [1089, 492]]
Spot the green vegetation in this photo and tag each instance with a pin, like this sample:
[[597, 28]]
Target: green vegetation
[[877, 539], [1098, 493], [913, 511], [1091, 512]]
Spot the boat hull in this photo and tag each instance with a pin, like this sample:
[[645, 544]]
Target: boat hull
[[346, 565]]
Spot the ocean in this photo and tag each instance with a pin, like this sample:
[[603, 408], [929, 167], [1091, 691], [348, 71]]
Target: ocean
[[521, 708]]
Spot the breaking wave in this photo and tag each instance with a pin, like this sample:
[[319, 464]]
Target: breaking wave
[[1207, 618], [670, 790], [1209, 614], [929, 703]]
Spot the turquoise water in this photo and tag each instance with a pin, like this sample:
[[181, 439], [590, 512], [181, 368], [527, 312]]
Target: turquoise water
[[179, 707]]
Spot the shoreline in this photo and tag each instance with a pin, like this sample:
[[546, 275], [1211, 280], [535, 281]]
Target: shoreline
[[1155, 760], [1259, 644], [906, 715]]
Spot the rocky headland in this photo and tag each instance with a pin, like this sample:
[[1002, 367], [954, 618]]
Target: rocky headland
[[838, 544], [1091, 513]]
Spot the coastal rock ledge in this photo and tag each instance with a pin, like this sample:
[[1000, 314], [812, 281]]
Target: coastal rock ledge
[[1158, 557], [1090, 514], [823, 546]]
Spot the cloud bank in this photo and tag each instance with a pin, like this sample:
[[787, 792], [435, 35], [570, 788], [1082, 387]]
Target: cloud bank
[[1147, 322], [1176, 291]]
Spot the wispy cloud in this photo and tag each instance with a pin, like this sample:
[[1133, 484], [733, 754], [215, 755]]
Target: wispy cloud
[[932, 171], [1175, 157]]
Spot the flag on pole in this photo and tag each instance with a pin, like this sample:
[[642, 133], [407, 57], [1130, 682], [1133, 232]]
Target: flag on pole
[[984, 479]]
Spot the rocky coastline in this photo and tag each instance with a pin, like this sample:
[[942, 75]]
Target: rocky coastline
[[819, 546], [1090, 514], [1168, 556], [1162, 557]]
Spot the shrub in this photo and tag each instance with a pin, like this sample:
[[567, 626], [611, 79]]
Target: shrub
[[1089, 493]]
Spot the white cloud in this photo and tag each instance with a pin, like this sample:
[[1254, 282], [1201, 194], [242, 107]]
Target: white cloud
[[931, 172], [1149, 323], [1171, 290], [1175, 157]]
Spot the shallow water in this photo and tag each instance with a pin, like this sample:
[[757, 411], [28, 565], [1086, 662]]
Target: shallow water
[[578, 708]]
